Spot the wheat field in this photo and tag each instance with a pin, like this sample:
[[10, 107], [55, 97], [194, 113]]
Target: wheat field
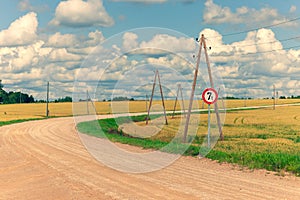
[[38, 110]]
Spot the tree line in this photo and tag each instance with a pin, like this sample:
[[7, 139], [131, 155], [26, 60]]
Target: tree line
[[19, 97], [14, 97]]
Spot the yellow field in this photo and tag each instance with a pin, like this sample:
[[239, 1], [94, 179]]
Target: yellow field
[[260, 130], [38, 110]]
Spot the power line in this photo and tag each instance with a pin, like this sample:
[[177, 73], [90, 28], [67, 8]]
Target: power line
[[262, 52], [270, 51], [262, 43], [254, 29]]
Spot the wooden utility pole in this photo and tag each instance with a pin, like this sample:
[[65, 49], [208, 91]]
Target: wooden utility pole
[[274, 97], [47, 101], [179, 90], [146, 102], [182, 101], [202, 44], [151, 99], [88, 98], [87, 102], [212, 86], [162, 97], [175, 102], [188, 116]]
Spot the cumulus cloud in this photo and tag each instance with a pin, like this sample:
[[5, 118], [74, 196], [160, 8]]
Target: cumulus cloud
[[79, 13], [216, 14], [62, 40], [249, 65], [254, 63], [25, 5], [20, 32], [130, 41], [62, 55], [170, 43], [142, 1]]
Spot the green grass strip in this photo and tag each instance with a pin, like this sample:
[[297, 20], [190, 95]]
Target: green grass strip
[[4, 123], [108, 128]]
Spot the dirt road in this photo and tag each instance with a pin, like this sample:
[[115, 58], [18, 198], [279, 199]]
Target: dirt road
[[46, 160]]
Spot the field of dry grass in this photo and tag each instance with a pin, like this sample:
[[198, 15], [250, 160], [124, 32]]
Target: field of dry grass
[[259, 138], [38, 110]]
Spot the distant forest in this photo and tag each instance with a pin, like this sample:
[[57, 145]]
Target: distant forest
[[14, 97], [19, 97]]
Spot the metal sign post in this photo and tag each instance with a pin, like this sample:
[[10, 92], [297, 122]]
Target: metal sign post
[[208, 129], [209, 96]]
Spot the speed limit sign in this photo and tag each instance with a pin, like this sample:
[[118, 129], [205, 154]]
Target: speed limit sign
[[210, 96]]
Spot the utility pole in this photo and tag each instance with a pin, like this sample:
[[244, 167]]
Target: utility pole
[[202, 44], [212, 85], [162, 97], [188, 116], [47, 101], [146, 102], [90, 99], [176, 101], [151, 99], [245, 99], [182, 101], [87, 102], [274, 97]]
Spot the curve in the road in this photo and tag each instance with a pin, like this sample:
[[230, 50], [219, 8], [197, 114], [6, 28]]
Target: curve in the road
[[46, 160]]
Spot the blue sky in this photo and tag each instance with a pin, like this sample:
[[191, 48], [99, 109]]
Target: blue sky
[[51, 40]]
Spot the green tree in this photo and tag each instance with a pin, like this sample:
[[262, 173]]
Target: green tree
[[1, 85]]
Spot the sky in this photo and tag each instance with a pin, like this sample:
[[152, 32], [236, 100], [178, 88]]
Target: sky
[[112, 47]]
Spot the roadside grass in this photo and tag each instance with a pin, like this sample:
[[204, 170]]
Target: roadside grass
[[109, 128], [4, 123], [258, 139]]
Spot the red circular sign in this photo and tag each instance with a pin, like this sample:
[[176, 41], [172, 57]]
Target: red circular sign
[[210, 96]]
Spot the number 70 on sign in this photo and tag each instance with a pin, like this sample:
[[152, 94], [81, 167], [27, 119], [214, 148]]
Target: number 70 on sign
[[210, 96]]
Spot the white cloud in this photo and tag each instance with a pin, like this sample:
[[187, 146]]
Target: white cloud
[[130, 41], [216, 14], [25, 5], [62, 40], [142, 1], [95, 38], [79, 13], [20, 32], [21, 58], [62, 55], [254, 63], [170, 43]]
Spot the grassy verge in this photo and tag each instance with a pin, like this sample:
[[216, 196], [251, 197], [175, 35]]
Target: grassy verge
[[271, 161], [256, 146], [3, 123], [108, 128]]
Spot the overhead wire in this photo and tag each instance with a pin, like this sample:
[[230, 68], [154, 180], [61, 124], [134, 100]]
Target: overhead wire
[[257, 28], [263, 43], [262, 52]]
